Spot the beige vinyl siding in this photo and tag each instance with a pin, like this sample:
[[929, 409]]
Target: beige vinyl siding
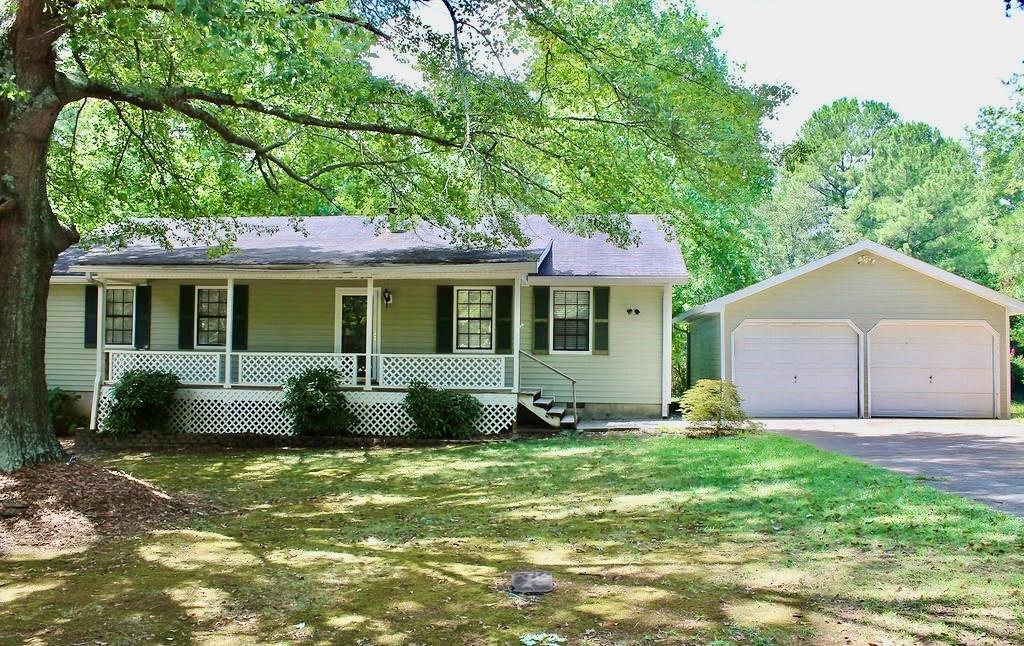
[[298, 316], [69, 364], [865, 294], [705, 348], [631, 371]]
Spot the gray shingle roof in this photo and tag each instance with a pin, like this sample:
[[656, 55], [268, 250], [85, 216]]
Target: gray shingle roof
[[351, 241]]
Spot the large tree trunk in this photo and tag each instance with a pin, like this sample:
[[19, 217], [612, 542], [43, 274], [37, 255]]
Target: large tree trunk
[[30, 239], [30, 235]]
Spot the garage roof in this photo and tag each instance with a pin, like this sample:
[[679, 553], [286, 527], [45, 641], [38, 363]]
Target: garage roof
[[1012, 305]]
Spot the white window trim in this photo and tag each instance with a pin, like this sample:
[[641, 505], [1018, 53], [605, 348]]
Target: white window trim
[[106, 301], [195, 317], [551, 321], [455, 319]]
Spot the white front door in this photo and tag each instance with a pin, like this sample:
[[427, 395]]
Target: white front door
[[797, 368], [350, 325], [932, 369]]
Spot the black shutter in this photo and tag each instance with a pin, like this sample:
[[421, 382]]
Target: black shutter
[[143, 315], [541, 310], [186, 317], [92, 293], [240, 319], [503, 319], [601, 297], [445, 307]]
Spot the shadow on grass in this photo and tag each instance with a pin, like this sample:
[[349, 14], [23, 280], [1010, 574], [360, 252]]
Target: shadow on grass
[[754, 538]]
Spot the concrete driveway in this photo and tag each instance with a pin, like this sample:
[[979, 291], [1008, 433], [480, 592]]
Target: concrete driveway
[[979, 459]]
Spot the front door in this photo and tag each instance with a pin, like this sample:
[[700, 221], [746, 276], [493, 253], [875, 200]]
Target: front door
[[350, 335]]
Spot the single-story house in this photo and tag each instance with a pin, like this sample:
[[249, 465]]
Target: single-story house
[[567, 326], [866, 331]]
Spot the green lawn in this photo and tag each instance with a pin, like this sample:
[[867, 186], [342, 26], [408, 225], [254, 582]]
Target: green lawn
[[753, 540], [1017, 410]]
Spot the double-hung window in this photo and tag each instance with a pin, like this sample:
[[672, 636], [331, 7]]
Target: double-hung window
[[211, 316], [474, 319], [119, 317], [571, 315]]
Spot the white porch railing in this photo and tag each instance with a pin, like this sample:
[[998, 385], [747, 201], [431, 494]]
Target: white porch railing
[[275, 368], [465, 371], [193, 368], [272, 369]]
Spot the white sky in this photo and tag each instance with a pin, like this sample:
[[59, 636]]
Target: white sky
[[937, 61]]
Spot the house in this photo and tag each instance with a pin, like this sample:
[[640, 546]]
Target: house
[[567, 326], [866, 331]]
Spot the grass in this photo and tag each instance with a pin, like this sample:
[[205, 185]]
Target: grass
[[1017, 410], [754, 540]]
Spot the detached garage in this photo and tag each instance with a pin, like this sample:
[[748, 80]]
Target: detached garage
[[866, 331]]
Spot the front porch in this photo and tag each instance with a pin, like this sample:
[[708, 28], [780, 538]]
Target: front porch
[[239, 342], [241, 392]]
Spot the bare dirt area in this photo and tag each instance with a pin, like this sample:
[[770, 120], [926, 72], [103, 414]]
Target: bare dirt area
[[69, 505]]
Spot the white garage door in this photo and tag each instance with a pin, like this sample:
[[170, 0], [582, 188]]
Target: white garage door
[[919, 369], [794, 369]]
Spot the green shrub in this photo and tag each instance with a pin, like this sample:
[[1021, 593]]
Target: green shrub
[[442, 413], [315, 403], [713, 407], [62, 411], [141, 402]]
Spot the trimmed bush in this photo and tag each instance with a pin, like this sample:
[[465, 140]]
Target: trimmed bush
[[62, 411], [714, 407], [439, 413], [314, 402], [141, 402]]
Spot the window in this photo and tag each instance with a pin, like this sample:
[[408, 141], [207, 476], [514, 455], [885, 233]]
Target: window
[[211, 316], [474, 319], [570, 320], [119, 316]]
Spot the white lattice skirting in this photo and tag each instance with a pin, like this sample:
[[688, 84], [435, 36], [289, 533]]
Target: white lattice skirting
[[239, 410]]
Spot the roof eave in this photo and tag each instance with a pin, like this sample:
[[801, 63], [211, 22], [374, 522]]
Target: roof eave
[[298, 270], [592, 279]]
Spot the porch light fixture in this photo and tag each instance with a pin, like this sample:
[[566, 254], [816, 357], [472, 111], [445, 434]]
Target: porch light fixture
[[386, 297]]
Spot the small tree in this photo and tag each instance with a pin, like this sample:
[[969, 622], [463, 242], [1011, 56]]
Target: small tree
[[141, 402], [315, 403], [714, 407]]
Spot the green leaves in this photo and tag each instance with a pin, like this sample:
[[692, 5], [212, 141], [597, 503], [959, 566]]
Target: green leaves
[[314, 402], [859, 171], [141, 401], [596, 108], [440, 413]]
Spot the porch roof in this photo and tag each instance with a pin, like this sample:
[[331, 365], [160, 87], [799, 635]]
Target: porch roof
[[357, 243]]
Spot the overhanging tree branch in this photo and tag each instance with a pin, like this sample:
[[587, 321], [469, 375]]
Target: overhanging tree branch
[[161, 99]]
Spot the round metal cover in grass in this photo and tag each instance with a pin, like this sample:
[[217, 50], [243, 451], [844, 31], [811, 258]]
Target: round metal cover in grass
[[532, 582]]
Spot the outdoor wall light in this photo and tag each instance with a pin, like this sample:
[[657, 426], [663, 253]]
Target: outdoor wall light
[[386, 297]]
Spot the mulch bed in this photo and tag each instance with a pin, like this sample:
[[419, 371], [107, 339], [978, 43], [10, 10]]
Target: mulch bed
[[66, 505]]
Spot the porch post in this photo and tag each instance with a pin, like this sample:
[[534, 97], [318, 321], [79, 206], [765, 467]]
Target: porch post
[[228, 340], [369, 334], [516, 325], [101, 336], [666, 349]]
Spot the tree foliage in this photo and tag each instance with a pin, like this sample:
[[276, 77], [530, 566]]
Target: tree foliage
[[858, 171], [563, 108]]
